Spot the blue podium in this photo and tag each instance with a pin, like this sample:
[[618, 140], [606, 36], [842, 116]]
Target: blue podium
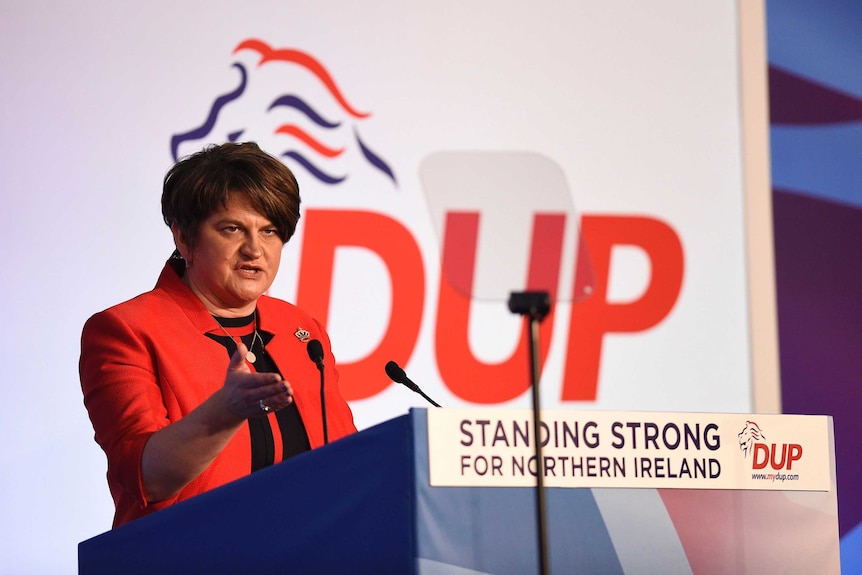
[[364, 504]]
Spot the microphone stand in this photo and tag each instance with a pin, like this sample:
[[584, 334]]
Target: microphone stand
[[535, 306], [315, 354], [323, 404]]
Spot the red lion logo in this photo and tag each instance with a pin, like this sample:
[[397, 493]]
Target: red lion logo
[[316, 129], [749, 434]]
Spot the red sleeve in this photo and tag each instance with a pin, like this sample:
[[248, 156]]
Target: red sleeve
[[123, 398]]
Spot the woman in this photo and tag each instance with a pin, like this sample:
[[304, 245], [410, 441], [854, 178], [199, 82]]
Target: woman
[[204, 379]]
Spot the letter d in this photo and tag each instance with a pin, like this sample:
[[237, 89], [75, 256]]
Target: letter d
[[760, 450], [325, 232]]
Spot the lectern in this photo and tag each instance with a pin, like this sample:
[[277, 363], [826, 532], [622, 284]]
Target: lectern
[[366, 504]]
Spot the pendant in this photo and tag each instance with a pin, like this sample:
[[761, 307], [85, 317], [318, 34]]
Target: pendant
[[251, 357]]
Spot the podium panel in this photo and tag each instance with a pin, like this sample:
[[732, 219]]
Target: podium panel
[[365, 504]]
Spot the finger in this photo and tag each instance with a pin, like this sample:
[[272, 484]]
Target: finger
[[258, 382], [277, 395], [274, 388], [237, 360]]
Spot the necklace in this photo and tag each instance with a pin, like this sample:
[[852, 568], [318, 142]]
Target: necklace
[[250, 356]]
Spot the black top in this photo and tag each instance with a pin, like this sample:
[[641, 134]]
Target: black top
[[294, 438]]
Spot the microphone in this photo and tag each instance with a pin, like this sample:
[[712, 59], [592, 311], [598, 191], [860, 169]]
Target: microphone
[[398, 375], [315, 354]]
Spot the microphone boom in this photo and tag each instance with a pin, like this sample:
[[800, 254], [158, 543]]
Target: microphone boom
[[398, 375]]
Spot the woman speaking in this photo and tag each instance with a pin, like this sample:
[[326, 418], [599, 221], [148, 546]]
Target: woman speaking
[[205, 379]]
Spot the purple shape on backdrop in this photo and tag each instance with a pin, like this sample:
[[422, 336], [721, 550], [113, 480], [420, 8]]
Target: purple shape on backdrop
[[796, 101], [818, 264], [297, 103], [374, 159], [314, 170], [204, 129]]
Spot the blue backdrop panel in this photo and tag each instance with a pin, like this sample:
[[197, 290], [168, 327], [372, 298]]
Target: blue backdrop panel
[[815, 84]]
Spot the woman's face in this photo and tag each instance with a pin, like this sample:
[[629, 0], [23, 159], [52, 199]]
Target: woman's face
[[234, 260]]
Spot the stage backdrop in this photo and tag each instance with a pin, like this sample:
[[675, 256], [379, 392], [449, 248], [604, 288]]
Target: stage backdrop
[[815, 55], [597, 150]]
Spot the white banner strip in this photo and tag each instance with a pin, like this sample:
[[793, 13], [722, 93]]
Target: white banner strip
[[494, 448]]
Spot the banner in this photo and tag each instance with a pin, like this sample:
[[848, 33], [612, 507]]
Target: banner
[[495, 448]]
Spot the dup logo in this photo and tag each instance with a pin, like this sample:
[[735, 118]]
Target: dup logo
[[752, 442], [315, 126], [288, 101]]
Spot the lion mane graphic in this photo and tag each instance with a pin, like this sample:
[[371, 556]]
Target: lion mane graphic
[[293, 123], [749, 434]]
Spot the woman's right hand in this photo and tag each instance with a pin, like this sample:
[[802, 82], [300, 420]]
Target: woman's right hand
[[176, 454], [251, 394]]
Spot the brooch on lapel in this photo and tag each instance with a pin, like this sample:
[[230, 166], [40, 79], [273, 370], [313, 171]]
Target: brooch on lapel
[[302, 334]]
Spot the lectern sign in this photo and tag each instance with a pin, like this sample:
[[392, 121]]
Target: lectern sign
[[473, 447]]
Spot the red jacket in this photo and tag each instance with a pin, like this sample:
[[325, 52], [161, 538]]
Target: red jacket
[[146, 363]]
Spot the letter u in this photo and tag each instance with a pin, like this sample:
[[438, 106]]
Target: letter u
[[780, 464]]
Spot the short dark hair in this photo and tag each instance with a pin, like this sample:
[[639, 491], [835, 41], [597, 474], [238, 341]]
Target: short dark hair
[[200, 184]]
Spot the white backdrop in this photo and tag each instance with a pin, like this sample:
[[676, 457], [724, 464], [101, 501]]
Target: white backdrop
[[638, 104]]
